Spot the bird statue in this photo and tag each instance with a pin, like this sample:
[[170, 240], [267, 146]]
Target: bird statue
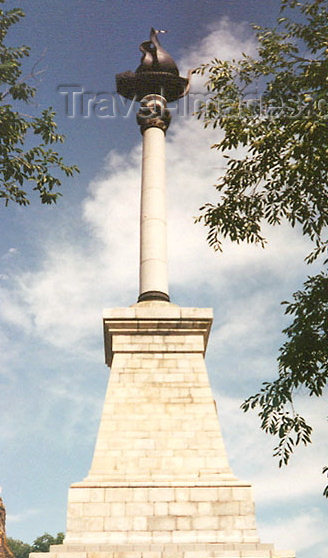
[[155, 58], [157, 74], [147, 48]]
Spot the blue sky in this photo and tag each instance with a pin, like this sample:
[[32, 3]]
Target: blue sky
[[60, 266]]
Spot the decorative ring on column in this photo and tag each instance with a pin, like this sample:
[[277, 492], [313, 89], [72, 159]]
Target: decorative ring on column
[[154, 295], [153, 113]]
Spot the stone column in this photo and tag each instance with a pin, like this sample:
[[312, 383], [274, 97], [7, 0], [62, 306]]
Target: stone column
[[153, 118]]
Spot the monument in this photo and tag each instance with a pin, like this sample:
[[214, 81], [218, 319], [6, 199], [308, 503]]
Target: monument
[[160, 484]]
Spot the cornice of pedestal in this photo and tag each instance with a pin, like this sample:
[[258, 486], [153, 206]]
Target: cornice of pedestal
[[156, 318], [232, 482]]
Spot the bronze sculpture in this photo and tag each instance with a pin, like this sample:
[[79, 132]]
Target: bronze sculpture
[[157, 74], [155, 58]]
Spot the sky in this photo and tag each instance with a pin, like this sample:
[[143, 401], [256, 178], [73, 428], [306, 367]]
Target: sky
[[61, 265]]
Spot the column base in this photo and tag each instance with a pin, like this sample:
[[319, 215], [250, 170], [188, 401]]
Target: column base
[[153, 295]]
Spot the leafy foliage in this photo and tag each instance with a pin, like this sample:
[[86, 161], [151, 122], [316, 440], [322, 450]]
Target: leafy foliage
[[303, 362], [36, 165], [41, 544], [284, 173], [279, 174], [19, 548], [325, 492]]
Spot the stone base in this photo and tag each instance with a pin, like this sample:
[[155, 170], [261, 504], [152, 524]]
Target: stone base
[[161, 514], [196, 550]]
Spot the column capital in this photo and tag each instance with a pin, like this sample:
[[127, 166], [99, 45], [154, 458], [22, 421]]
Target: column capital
[[153, 113]]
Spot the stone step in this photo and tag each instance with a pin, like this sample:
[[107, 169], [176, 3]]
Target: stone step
[[225, 550]]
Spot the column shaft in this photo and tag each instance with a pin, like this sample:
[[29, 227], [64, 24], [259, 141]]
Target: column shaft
[[153, 242]]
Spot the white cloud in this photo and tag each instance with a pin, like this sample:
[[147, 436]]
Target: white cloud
[[250, 451], [302, 532], [9, 253], [22, 516], [12, 311], [221, 43]]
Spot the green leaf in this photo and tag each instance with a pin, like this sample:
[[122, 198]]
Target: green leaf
[[277, 173], [19, 168]]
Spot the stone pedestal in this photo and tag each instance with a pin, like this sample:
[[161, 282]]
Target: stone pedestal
[[160, 485]]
